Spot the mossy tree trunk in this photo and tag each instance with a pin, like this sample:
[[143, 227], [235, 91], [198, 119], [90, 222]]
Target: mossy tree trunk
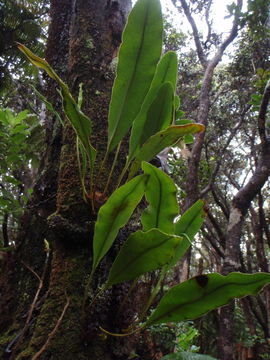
[[84, 37]]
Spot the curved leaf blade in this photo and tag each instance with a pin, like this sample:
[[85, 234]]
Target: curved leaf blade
[[114, 214], [165, 138], [161, 196], [160, 113], [49, 106], [189, 224], [80, 122], [156, 143], [41, 63], [142, 252], [138, 57], [197, 296], [166, 72]]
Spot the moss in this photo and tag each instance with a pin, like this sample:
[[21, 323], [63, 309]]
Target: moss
[[89, 44]]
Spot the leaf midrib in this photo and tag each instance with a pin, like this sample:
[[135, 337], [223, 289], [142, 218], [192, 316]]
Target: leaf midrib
[[201, 297], [133, 75], [114, 221], [142, 253]]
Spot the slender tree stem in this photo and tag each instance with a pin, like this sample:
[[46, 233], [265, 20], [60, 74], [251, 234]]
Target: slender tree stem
[[86, 291], [154, 293], [122, 174], [81, 172], [126, 297], [112, 168], [122, 335]]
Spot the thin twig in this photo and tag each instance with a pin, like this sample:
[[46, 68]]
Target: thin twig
[[52, 333], [112, 168], [195, 31], [20, 338]]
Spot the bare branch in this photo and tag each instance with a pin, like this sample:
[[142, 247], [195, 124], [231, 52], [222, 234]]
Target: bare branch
[[208, 23], [220, 201], [195, 31], [210, 237], [262, 114], [222, 151], [20, 336], [214, 224], [233, 33]]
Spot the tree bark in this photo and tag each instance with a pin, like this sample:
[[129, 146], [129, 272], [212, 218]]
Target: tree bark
[[84, 37]]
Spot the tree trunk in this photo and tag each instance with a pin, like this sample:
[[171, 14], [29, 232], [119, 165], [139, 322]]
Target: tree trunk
[[239, 208], [42, 305]]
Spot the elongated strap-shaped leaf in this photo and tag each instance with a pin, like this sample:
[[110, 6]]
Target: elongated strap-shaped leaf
[[165, 138], [156, 143], [166, 72], [114, 214], [195, 297], [142, 252], [139, 54], [160, 114], [161, 196], [189, 224], [41, 63], [80, 122], [49, 105]]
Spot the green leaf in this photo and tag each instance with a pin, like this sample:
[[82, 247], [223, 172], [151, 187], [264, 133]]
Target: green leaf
[[142, 252], [4, 202], [138, 56], [80, 122], [177, 102], [183, 122], [18, 138], [189, 139], [161, 196], [48, 104], [21, 116], [189, 224], [114, 214], [21, 128], [185, 355], [145, 123], [11, 180], [41, 63], [195, 297], [165, 138], [156, 143], [160, 113], [6, 116]]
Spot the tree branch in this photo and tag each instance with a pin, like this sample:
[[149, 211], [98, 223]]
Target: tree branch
[[262, 114], [204, 99], [195, 31]]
